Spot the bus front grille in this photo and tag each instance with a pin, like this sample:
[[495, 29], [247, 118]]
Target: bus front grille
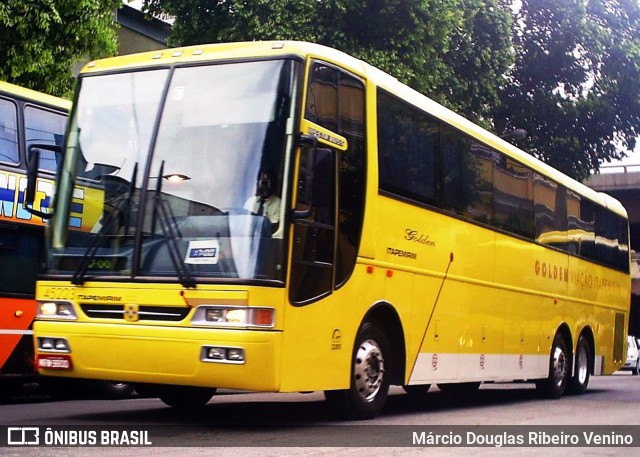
[[144, 313]]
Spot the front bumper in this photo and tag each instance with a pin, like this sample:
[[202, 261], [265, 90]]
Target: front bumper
[[164, 355]]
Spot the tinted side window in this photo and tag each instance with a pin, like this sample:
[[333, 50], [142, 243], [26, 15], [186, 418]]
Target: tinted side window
[[336, 101], [44, 127], [351, 174], [408, 143], [467, 176], [8, 132], [426, 160], [513, 197], [550, 200], [322, 97], [583, 225], [611, 245]]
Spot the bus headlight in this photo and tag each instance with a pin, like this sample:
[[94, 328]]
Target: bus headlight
[[237, 316], [55, 310], [234, 316]]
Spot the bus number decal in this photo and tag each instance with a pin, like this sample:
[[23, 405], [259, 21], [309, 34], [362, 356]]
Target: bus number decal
[[203, 252], [59, 293]]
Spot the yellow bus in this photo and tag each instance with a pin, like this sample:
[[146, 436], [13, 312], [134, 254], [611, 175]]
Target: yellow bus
[[282, 217]]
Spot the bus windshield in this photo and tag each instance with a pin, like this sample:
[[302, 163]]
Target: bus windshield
[[190, 159]]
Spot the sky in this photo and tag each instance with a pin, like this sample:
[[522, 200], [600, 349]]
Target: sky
[[135, 3]]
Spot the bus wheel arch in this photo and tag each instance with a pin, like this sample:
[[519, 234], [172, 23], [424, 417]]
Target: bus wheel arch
[[583, 362], [378, 355]]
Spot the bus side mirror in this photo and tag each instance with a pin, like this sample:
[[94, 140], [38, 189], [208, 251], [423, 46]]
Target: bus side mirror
[[32, 177]]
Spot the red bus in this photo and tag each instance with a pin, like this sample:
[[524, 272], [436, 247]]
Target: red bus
[[27, 117]]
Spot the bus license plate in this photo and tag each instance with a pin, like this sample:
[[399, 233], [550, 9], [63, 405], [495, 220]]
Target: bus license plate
[[54, 362]]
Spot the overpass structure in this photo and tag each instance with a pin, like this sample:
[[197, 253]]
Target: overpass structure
[[623, 183]]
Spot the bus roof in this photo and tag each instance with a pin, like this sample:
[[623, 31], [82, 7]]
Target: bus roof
[[248, 50], [38, 97]]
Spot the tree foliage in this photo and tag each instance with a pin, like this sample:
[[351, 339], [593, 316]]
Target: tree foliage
[[451, 50], [40, 40], [576, 84]]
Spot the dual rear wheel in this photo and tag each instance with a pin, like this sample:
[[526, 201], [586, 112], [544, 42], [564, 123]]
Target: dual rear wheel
[[560, 360]]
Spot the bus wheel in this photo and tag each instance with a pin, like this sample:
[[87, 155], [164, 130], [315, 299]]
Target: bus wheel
[[460, 387], [556, 383], [580, 380], [369, 385], [418, 389], [112, 390], [185, 397]]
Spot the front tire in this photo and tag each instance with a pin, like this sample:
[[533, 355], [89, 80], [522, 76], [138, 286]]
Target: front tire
[[112, 390], [582, 373], [185, 397], [559, 362], [369, 381]]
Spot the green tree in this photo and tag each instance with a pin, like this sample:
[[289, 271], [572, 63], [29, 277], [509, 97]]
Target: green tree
[[40, 40], [452, 50], [575, 86]]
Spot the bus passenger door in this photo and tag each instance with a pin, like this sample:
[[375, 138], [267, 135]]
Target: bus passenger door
[[327, 224], [313, 242]]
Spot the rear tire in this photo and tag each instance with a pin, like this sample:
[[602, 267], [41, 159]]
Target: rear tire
[[369, 380], [582, 372], [559, 362]]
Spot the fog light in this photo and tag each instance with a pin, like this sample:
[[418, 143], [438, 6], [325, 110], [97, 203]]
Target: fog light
[[46, 344], [61, 345], [235, 354], [216, 354], [53, 344]]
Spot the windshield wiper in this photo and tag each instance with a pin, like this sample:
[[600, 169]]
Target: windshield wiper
[[160, 205], [120, 206]]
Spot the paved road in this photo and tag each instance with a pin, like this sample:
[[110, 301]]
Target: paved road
[[300, 424]]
